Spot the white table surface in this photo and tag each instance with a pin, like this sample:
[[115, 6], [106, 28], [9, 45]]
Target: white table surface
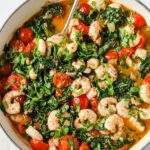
[[5, 143]]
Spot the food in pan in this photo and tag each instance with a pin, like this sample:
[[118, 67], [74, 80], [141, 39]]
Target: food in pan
[[88, 89]]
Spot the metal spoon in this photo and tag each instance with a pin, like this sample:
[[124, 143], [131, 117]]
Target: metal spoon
[[75, 4]]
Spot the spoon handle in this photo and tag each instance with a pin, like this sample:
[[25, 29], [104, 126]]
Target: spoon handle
[[70, 16]]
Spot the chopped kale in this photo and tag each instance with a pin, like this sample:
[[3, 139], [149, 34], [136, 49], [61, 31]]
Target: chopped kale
[[54, 9], [145, 66], [122, 86], [115, 15]]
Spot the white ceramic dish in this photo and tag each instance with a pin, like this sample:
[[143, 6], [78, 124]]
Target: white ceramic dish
[[21, 15]]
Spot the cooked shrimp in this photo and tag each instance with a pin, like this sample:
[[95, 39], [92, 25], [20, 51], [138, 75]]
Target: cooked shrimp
[[122, 109], [135, 62], [16, 118], [34, 134], [106, 69], [53, 144], [115, 5], [78, 64], [85, 115], [42, 47], [145, 93], [114, 124], [92, 93], [12, 107], [93, 63], [80, 86], [129, 28], [55, 39], [144, 113], [106, 106], [136, 124], [72, 47], [136, 40], [32, 74], [53, 121], [100, 4], [94, 31], [102, 71], [87, 71], [73, 22], [28, 61], [140, 53], [73, 34], [135, 102]]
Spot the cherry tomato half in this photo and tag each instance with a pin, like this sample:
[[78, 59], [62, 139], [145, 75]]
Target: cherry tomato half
[[85, 8], [96, 133], [68, 142], [82, 101], [16, 81], [126, 52], [147, 79], [38, 145], [111, 54], [82, 28], [23, 122], [138, 21], [142, 41], [17, 45], [61, 80], [6, 69], [84, 146], [30, 46], [3, 82], [26, 35]]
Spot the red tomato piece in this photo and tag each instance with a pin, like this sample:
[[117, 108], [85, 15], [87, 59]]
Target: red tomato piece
[[147, 79], [3, 82], [126, 52], [30, 46], [82, 101], [61, 80], [23, 122], [17, 45], [6, 69], [85, 8], [94, 103], [26, 35], [138, 21], [111, 54], [142, 41], [16, 81], [82, 28], [68, 142], [96, 133], [84, 146], [38, 145]]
